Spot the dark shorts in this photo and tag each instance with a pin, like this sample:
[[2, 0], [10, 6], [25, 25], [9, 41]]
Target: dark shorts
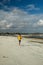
[[19, 40]]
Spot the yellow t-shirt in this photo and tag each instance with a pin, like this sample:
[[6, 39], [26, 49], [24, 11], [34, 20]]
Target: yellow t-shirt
[[19, 37]]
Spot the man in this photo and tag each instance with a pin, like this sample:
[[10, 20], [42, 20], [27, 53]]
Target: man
[[19, 38]]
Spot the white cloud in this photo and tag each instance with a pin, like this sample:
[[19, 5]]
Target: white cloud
[[40, 23], [5, 25], [32, 7], [9, 25], [12, 18], [19, 19]]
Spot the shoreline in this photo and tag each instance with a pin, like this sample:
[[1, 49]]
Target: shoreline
[[35, 40]]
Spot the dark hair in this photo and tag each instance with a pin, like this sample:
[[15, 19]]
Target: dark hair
[[19, 33]]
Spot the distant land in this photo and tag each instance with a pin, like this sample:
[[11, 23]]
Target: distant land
[[26, 35]]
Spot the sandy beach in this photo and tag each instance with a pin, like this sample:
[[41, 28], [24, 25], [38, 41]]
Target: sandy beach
[[29, 53]]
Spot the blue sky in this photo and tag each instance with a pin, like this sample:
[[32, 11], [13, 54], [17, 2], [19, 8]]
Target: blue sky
[[21, 16]]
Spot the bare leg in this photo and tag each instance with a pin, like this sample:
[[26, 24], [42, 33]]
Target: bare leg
[[19, 42]]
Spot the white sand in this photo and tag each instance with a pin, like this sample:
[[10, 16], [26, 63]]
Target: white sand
[[29, 53]]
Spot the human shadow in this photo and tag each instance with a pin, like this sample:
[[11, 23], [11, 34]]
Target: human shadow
[[30, 45], [25, 45]]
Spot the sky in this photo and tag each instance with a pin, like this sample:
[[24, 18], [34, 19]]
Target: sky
[[25, 16]]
